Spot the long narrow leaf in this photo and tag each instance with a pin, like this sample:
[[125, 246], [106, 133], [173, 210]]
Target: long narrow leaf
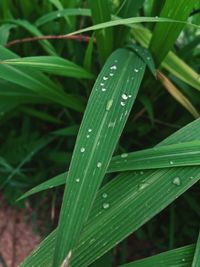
[[104, 119], [168, 156], [165, 34], [196, 259], [106, 226], [180, 257], [50, 64]]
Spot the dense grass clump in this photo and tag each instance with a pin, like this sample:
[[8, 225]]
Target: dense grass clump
[[101, 99]]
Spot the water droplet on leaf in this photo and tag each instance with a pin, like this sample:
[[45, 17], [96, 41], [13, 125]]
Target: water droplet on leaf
[[176, 181]]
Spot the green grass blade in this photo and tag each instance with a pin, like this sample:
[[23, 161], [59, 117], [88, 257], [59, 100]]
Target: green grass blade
[[176, 155], [101, 13], [168, 156], [35, 32], [36, 82], [145, 55], [51, 64], [61, 13], [180, 257], [118, 201], [165, 34], [104, 119], [5, 32], [172, 62], [129, 21], [126, 9], [196, 259]]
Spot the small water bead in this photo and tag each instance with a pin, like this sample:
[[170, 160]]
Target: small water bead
[[77, 180], [102, 84], [99, 164], [58, 15], [141, 172], [129, 96], [124, 96], [114, 67], [82, 149], [88, 136], [106, 205], [109, 104], [111, 124], [176, 181], [105, 78], [136, 70], [148, 58], [183, 260], [111, 74], [171, 162], [122, 103], [124, 155], [103, 89], [191, 177], [89, 130], [104, 195]]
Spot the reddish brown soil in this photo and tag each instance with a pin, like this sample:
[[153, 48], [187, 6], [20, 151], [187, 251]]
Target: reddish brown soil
[[16, 236]]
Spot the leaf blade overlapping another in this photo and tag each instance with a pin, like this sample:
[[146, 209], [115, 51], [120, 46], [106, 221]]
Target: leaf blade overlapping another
[[108, 107]]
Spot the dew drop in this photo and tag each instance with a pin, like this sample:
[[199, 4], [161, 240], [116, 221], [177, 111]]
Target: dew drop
[[82, 149], [99, 164], [102, 84], [183, 259], [191, 177], [111, 124], [136, 70], [58, 15], [104, 195], [148, 58], [122, 104], [171, 162], [176, 181], [88, 136], [129, 96], [109, 104], [77, 180], [141, 172], [105, 78], [106, 205], [111, 74], [89, 130], [124, 155], [124, 96], [114, 67], [103, 89]]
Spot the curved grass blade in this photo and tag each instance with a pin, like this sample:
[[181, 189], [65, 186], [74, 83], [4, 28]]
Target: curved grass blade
[[173, 90], [168, 156], [100, 13], [62, 13], [196, 259], [36, 82], [5, 32], [165, 34], [172, 62], [127, 193], [104, 119], [180, 257], [51, 64], [129, 21], [35, 32], [145, 55]]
